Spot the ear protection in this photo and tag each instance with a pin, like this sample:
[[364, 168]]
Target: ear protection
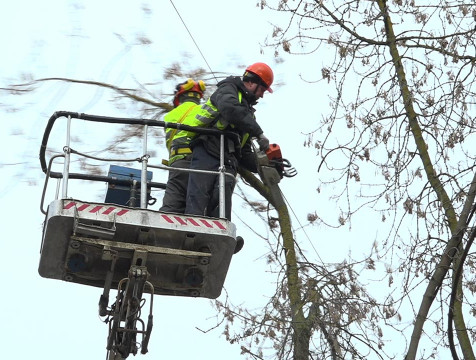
[[189, 84], [191, 88]]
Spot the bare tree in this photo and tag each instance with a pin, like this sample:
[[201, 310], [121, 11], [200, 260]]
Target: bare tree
[[313, 303], [400, 72], [318, 311], [404, 79]]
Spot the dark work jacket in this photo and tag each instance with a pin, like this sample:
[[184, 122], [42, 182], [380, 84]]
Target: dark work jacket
[[233, 116]]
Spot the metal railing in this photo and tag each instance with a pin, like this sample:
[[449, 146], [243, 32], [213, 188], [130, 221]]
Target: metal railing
[[66, 175]]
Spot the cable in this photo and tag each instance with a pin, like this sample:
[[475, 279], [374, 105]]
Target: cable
[[191, 36], [302, 227], [103, 159]]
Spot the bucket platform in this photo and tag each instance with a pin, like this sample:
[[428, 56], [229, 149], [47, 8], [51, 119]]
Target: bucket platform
[[185, 255]]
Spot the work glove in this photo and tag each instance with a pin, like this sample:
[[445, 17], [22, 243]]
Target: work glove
[[263, 142]]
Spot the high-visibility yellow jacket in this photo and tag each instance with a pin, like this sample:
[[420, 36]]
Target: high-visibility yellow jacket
[[177, 141]]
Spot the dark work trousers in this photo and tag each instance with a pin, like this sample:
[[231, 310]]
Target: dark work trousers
[[176, 189], [203, 189]]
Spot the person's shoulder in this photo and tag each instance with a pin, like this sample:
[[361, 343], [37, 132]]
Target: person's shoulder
[[180, 110], [185, 106], [230, 81]]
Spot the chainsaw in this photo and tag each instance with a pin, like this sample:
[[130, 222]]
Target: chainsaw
[[272, 167], [283, 166]]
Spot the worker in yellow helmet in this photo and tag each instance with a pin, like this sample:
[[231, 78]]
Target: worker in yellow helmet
[[186, 101]]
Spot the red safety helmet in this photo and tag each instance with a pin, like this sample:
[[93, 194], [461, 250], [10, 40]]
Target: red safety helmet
[[191, 88], [264, 72]]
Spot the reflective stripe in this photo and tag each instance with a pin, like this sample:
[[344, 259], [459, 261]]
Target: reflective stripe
[[180, 151], [170, 133], [173, 159], [207, 113], [204, 116], [183, 137], [222, 124]]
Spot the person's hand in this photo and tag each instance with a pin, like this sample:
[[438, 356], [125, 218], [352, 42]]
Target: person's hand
[[263, 142]]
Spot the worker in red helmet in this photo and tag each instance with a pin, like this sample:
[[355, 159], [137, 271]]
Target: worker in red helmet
[[230, 108], [186, 100], [263, 73]]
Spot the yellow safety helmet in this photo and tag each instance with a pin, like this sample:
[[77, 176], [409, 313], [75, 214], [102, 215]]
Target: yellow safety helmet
[[191, 88]]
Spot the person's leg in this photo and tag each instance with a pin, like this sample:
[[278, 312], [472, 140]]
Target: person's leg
[[200, 186], [176, 189]]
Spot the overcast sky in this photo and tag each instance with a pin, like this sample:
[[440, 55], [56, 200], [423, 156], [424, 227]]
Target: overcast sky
[[97, 40]]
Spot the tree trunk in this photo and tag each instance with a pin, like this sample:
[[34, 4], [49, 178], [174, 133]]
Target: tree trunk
[[443, 267], [440, 272], [459, 323], [300, 326]]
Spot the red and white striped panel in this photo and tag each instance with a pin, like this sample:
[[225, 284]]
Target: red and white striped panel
[[105, 210], [210, 224], [171, 219]]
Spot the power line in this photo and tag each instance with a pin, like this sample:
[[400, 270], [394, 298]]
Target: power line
[[191, 36], [302, 228]]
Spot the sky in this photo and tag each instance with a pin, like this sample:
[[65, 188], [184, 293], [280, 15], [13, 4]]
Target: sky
[[96, 40]]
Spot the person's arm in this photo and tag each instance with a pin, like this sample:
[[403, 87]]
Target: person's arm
[[226, 100], [248, 158]]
